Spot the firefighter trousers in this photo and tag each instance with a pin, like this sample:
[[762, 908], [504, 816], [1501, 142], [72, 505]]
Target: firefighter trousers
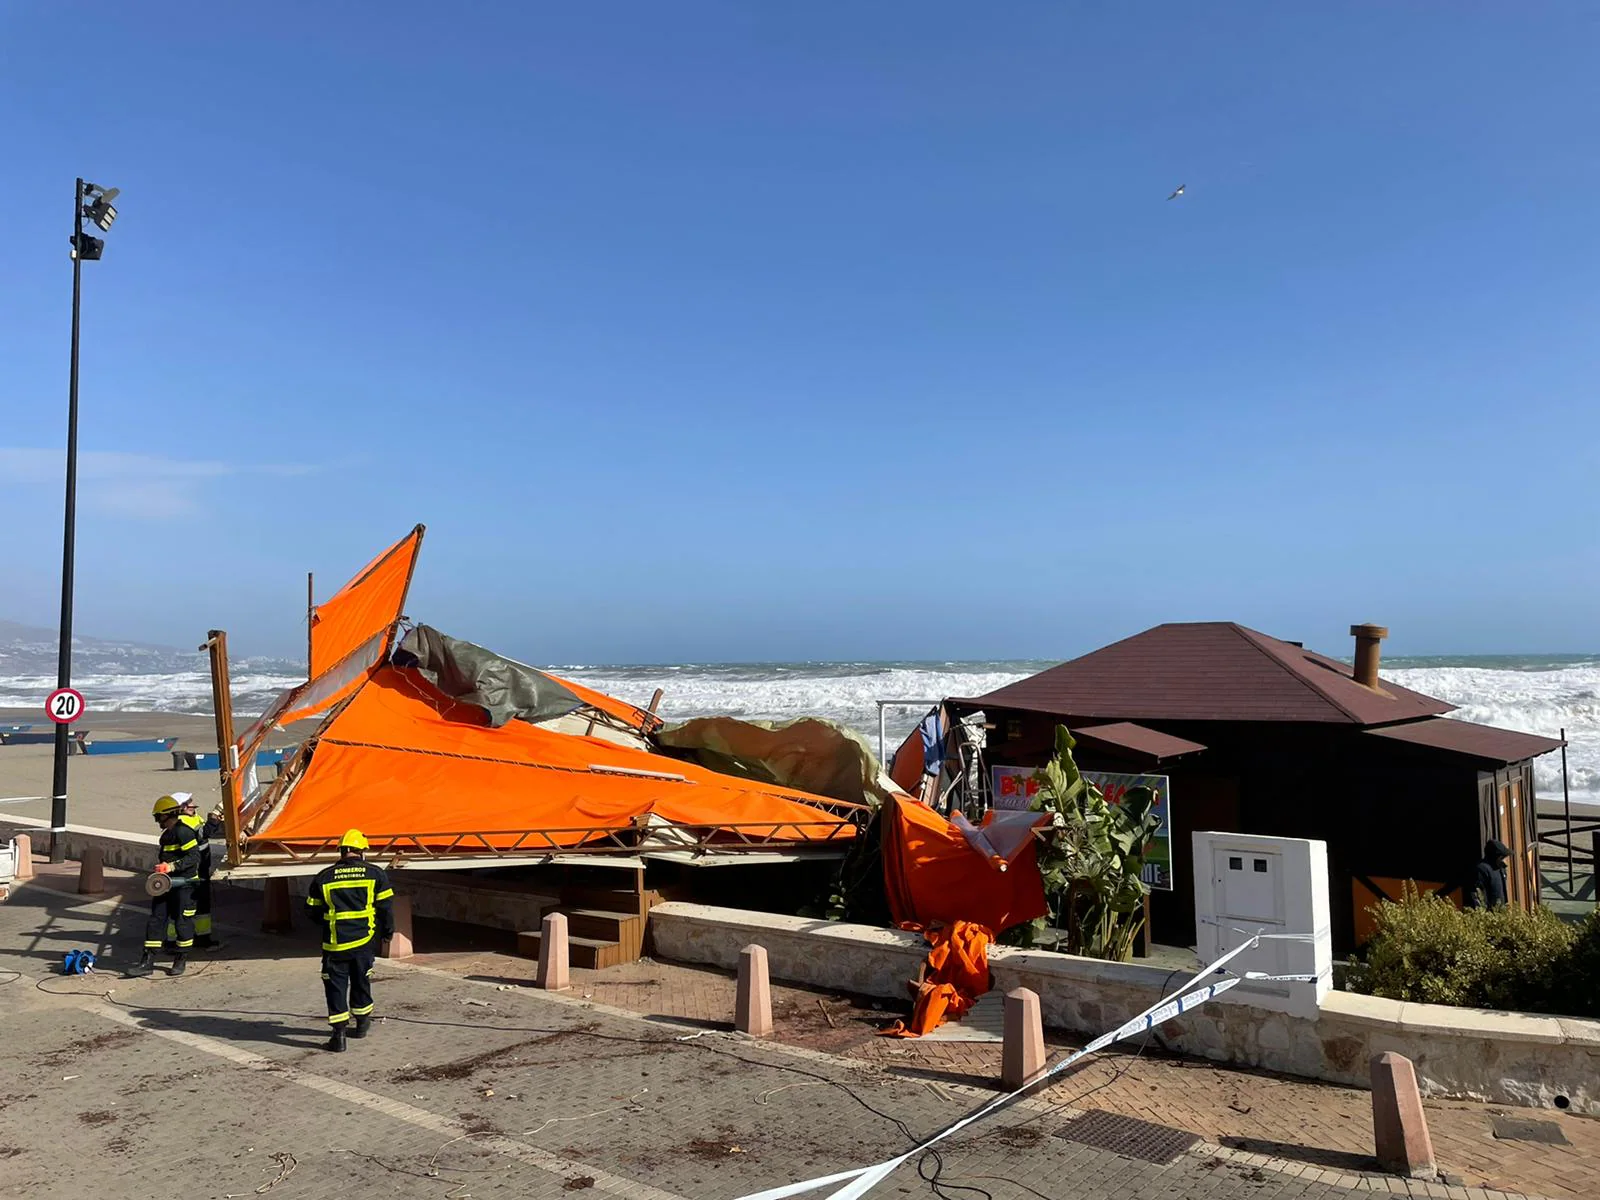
[[177, 909], [347, 981]]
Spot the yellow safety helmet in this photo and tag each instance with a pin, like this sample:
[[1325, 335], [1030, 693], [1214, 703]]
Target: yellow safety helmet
[[353, 839], [163, 806]]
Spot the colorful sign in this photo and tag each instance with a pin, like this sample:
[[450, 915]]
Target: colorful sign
[[1016, 788], [64, 706]]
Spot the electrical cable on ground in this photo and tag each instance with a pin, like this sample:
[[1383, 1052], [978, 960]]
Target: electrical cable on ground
[[936, 1181]]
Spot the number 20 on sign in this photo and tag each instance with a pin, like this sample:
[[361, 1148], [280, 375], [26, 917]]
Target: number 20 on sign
[[64, 706]]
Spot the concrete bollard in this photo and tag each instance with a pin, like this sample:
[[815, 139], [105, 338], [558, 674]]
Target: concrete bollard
[[1399, 1125], [275, 914], [92, 871], [752, 1005], [554, 953], [24, 857], [399, 944], [1023, 1056]]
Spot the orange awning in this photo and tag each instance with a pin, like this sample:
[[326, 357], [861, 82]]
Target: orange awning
[[366, 607], [403, 761]]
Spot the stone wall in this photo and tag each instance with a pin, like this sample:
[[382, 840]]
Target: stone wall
[[1509, 1058]]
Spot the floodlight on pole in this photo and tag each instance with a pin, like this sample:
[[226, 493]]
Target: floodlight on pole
[[92, 203]]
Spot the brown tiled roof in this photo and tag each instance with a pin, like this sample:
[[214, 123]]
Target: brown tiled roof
[[1128, 736], [1209, 671], [1483, 742]]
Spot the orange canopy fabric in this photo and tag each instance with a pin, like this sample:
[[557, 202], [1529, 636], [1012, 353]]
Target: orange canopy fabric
[[933, 875], [403, 760], [956, 974], [629, 714], [365, 607]]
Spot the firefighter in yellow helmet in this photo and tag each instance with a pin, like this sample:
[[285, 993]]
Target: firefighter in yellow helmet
[[353, 900], [178, 856]]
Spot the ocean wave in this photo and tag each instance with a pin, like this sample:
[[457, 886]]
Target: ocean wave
[[1540, 696]]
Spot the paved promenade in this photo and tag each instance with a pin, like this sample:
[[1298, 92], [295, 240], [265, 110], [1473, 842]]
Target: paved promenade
[[212, 1086]]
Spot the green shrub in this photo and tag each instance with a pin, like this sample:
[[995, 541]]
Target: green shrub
[[1426, 950], [1576, 990]]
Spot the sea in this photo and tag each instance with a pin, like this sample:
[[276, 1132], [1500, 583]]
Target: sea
[[1535, 694]]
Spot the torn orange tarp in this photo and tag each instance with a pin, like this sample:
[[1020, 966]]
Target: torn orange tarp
[[400, 759], [934, 876], [629, 714], [956, 974], [365, 607]]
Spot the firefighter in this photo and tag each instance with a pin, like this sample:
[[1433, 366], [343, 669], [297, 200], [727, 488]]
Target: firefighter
[[353, 900], [205, 830], [178, 857]]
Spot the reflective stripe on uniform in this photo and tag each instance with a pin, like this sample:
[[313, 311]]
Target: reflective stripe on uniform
[[338, 1018], [338, 939], [361, 1011]]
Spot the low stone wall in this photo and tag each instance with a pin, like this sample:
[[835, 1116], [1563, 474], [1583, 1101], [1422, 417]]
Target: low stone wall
[[123, 850], [1509, 1058]]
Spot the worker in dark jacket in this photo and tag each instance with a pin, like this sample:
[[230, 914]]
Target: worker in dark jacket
[[205, 830], [354, 902], [1488, 889], [179, 858]]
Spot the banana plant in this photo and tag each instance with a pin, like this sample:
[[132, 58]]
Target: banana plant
[[1093, 860]]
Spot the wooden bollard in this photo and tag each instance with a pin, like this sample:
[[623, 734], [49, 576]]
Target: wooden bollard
[[92, 871], [24, 856], [555, 959], [275, 915], [752, 1004], [1399, 1126], [1022, 1058]]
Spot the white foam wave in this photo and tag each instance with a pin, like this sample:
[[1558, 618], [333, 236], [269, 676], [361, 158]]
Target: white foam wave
[[1532, 701], [1538, 698], [847, 693], [168, 692]]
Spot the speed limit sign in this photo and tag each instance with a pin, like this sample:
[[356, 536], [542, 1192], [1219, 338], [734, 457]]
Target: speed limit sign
[[64, 706]]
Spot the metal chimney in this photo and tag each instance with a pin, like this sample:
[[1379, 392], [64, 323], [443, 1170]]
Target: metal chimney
[[1367, 652]]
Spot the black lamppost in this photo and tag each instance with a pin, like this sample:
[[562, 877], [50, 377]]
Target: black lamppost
[[89, 203]]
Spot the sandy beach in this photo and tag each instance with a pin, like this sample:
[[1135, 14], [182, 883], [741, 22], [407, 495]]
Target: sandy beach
[[113, 791]]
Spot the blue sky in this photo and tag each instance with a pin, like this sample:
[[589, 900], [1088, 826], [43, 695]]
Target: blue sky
[[716, 331]]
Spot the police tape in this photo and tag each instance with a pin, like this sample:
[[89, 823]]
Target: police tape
[[861, 1180]]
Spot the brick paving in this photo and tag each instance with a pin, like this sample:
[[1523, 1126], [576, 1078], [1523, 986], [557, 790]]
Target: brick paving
[[1311, 1125], [476, 1086]]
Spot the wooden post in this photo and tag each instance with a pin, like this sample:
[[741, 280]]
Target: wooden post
[[311, 619], [227, 763], [1022, 1056], [752, 1005], [275, 914]]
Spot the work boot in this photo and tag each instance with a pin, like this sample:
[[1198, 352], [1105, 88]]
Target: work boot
[[335, 1040], [207, 942], [362, 1024], [179, 966], [144, 966]]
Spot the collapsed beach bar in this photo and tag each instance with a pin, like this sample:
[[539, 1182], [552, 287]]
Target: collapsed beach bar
[[1262, 736]]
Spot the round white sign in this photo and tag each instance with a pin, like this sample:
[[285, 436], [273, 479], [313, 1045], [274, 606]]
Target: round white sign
[[64, 706]]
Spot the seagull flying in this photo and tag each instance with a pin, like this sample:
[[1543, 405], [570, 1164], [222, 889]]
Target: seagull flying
[[1177, 193]]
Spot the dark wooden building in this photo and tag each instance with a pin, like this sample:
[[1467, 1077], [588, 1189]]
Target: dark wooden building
[[1263, 736]]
